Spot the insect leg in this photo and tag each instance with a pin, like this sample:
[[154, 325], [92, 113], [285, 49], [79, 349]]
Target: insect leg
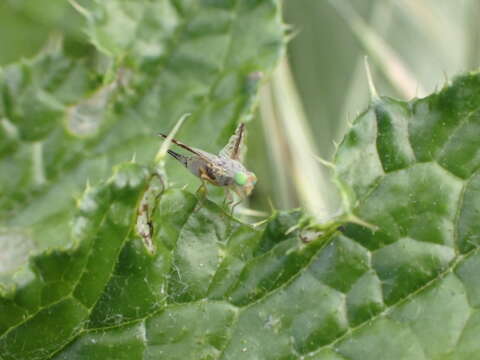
[[228, 198], [202, 190], [234, 206]]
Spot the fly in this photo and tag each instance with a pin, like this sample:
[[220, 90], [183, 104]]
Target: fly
[[225, 169]]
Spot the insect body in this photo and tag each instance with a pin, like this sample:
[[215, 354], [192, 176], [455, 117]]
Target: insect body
[[224, 169]]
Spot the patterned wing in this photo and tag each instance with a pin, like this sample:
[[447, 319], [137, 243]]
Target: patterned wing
[[236, 148], [200, 153]]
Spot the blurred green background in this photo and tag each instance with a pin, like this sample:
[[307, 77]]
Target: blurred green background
[[413, 48]]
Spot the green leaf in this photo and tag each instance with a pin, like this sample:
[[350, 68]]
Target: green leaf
[[408, 288], [414, 170], [105, 109], [65, 121], [56, 292], [109, 280], [137, 269]]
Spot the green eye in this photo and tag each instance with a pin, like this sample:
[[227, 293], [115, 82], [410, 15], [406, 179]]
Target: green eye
[[240, 178]]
